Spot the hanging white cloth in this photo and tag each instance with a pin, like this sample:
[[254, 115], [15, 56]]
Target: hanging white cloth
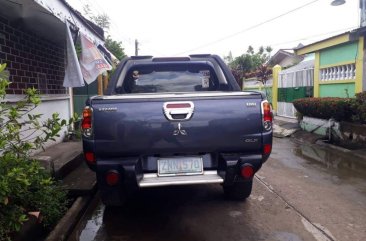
[[92, 62], [73, 75]]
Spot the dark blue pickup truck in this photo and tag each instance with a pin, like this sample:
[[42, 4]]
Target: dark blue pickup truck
[[175, 121]]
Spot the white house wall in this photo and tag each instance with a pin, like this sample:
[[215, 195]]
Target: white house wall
[[49, 105]]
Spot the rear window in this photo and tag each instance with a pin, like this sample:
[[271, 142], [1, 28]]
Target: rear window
[[169, 78]]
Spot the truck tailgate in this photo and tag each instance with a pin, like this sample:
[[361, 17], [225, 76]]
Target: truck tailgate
[[138, 126]]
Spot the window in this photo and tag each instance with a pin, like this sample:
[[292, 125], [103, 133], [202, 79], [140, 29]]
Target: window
[[159, 78]]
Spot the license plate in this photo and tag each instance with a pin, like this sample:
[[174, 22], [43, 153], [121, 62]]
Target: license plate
[[180, 166]]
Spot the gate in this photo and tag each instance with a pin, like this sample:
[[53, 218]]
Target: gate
[[294, 83], [81, 94]]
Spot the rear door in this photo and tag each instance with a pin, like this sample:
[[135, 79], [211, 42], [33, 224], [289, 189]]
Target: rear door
[[177, 124]]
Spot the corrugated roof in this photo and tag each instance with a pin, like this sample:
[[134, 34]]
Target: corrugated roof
[[308, 64], [279, 56]]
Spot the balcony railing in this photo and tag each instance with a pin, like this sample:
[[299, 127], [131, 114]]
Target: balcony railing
[[341, 72]]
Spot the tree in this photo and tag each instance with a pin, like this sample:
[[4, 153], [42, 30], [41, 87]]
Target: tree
[[103, 21], [250, 61], [246, 64], [115, 47], [87, 11], [263, 74], [229, 58]]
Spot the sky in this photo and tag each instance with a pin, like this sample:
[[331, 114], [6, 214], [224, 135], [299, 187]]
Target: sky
[[180, 28]]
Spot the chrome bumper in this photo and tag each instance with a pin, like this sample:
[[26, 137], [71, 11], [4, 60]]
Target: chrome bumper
[[153, 180]]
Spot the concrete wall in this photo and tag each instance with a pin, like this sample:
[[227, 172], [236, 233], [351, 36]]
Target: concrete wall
[[346, 133], [315, 125], [344, 90], [337, 57], [339, 54], [49, 105], [353, 133]]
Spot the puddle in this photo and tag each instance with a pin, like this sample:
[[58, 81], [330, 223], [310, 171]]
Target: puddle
[[93, 224], [339, 164], [286, 236]]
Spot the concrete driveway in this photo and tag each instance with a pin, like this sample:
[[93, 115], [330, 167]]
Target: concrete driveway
[[302, 193]]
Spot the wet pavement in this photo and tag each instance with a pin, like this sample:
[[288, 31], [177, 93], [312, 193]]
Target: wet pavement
[[303, 192]]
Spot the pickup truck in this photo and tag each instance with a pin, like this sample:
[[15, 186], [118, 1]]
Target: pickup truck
[[175, 121]]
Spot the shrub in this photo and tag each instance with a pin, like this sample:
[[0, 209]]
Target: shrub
[[24, 185], [359, 108], [325, 108]]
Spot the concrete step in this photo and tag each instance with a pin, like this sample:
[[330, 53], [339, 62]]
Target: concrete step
[[61, 158], [80, 182], [284, 127]]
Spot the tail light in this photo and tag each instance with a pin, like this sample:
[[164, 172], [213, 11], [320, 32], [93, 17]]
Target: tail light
[[89, 157], [267, 148], [112, 177], [247, 171], [267, 115], [86, 123]]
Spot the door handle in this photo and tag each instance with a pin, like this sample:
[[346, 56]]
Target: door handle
[[178, 111]]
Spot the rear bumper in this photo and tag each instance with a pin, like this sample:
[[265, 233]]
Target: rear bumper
[[153, 180], [133, 175], [135, 170]]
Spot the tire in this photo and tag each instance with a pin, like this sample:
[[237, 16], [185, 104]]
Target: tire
[[239, 191]]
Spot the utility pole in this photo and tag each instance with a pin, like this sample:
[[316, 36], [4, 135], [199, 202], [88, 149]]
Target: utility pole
[[136, 47], [363, 13]]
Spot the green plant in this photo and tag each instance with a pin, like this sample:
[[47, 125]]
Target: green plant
[[299, 116], [24, 185], [325, 108], [359, 108]]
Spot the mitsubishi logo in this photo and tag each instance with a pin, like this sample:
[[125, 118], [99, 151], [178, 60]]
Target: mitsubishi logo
[[180, 131]]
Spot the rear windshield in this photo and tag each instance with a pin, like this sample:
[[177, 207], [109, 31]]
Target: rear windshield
[[169, 78]]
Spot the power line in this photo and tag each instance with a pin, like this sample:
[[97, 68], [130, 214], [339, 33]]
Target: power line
[[249, 28], [113, 24], [311, 36]]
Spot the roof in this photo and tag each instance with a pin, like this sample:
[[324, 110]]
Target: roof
[[89, 24], [280, 55], [331, 41], [308, 64]]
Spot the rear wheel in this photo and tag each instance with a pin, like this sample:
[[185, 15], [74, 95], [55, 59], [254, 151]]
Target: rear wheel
[[239, 190]]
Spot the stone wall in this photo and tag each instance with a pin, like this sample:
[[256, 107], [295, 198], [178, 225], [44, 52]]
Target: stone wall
[[353, 133]]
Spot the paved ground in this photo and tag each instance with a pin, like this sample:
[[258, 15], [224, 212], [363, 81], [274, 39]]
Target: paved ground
[[301, 193]]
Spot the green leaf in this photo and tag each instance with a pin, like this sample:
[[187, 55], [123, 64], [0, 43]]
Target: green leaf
[[2, 67], [6, 201]]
